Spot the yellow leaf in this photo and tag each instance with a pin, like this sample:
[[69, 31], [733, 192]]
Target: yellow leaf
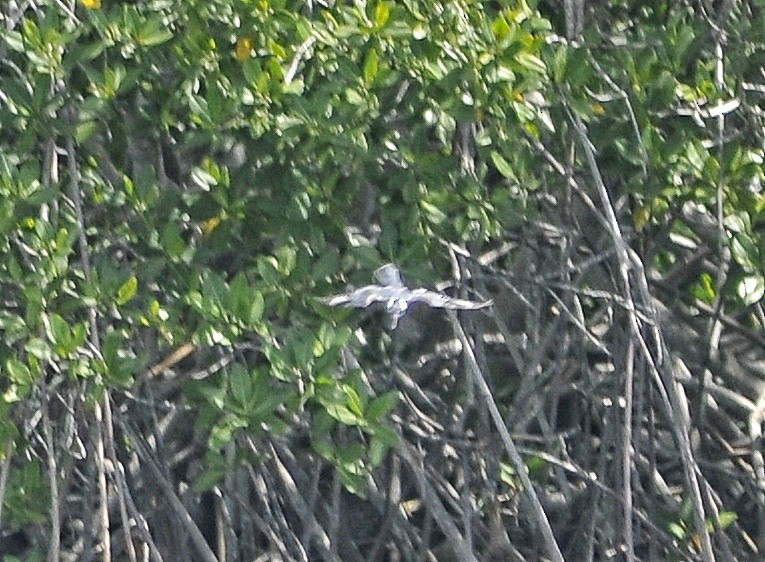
[[382, 14], [91, 4], [243, 48], [127, 291], [210, 224], [641, 216]]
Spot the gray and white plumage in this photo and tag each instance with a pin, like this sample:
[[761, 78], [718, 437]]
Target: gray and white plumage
[[397, 297]]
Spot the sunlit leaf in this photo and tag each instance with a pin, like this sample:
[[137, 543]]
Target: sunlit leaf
[[18, 373], [503, 166], [127, 291], [382, 13], [371, 65], [243, 48], [751, 289]]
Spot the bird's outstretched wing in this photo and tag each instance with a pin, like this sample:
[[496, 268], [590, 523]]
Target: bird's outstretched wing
[[359, 298], [437, 300]]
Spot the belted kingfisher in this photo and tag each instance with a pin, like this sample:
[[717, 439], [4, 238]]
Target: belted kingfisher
[[397, 297]]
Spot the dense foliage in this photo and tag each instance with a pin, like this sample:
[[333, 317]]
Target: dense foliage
[[181, 182]]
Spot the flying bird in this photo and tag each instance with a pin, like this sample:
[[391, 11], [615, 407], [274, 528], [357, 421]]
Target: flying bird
[[397, 297]]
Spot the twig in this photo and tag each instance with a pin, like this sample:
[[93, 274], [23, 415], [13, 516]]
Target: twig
[[333, 526], [301, 507], [553, 551], [5, 469], [435, 507], [76, 196], [270, 521], [54, 550], [177, 506], [629, 368], [121, 485], [141, 525], [300, 52], [756, 419]]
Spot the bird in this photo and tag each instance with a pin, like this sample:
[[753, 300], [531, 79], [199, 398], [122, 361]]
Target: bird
[[397, 296]]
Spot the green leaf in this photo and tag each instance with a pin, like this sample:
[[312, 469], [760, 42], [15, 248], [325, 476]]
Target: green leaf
[[286, 258], [326, 265], [153, 35], [300, 347], [342, 414], [127, 291], [508, 475], [502, 165], [209, 479], [257, 306], [432, 212], [85, 131], [705, 289], [696, 155], [678, 530], [560, 61], [727, 518], [355, 483], [381, 406], [500, 28], [324, 339], [59, 332], [122, 373], [15, 41], [745, 251], [342, 336], [172, 242], [378, 450], [324, 448], [368, 256], [536, 466], [240, 382], [371, 66], [223, 433], [38, 348], [13, 327], [384, 434], [259, 378], [110, 348], [354, 401], [351, 455], [78, 335], [18, 373], [238, 294], [268, 269]]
